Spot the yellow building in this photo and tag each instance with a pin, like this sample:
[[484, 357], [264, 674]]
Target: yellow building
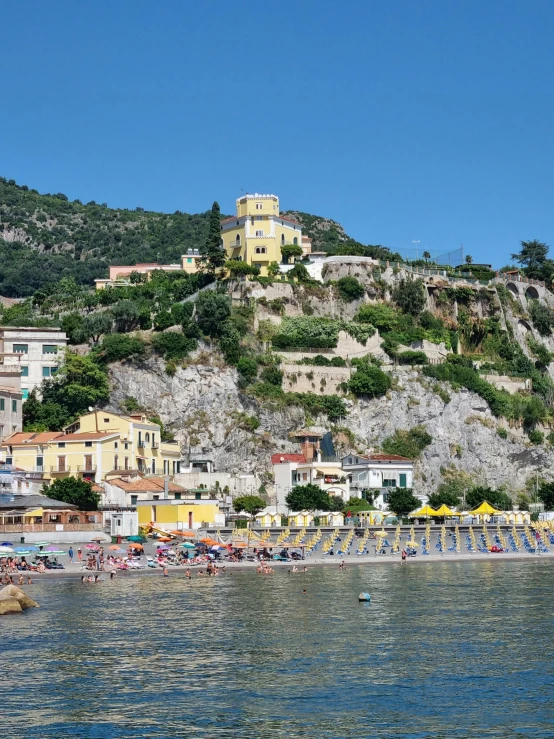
[[175, 514], [257, 233], [92, 447]]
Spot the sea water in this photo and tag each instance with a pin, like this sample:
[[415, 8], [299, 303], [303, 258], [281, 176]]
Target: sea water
[[449, 650]]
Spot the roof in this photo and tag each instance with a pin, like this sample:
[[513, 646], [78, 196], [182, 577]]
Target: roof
[[90, 436], [34, 501], [30, 437], [279, 458], [145, 485], [9, 389]]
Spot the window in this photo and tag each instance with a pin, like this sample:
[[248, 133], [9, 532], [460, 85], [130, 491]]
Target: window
[[115, 462], [88, 463], [25, 393], [295, 241], [153, 439], [9, 460], [388, 483], [24, 370], [134, 499], [153, 466], [106, 420], [259, 233], [116, 445], [61, 464], [21, 348], [88, 444], [259, 218], [49, 349], [156, 497], [126, 463], [14, 406], [189, 260], [260, 250], [177, 496], [237, 240], [282, 239], [2, 404], [40, 464], [126, 446], [61, 445], [197, 496], [259, 206], [147, 437], [48, 371], [402, 482]]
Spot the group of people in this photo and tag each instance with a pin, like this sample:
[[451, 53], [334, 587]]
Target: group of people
[[8, 580]]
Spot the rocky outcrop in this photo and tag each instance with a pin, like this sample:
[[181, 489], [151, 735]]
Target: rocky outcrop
[[205, 408], [14, 600]]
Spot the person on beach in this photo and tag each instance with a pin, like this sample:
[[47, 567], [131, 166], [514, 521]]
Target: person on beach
[[112, 573], [20, 581], [70, 555], [79, 555], [83, 579], [404, 556]]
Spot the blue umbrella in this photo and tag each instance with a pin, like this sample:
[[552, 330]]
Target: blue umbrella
[[21, 549], [6, 544]]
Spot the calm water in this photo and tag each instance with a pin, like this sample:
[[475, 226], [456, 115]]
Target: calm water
[[444, 650]]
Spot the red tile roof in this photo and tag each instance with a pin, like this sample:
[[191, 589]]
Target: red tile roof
[[145, 485], [30, 437], [87, 436], [278, 458]]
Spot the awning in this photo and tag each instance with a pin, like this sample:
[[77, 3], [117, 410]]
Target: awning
[[36, 512], [484, 509]]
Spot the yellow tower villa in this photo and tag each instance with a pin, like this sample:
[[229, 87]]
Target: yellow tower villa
[[257, 233]]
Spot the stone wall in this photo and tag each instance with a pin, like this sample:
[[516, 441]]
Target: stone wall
[[510, 384], [305, 378], [347, 348]]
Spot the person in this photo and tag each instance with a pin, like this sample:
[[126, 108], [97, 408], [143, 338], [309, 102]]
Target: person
[[187, 574], [165, 572], [304, 591], [20, 581], [29, 581], [341, 566], [79, 554], [70, 555], [404, 555], [83, 579], [112, 573]]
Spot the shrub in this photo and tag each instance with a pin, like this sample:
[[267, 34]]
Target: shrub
[[248, 368], [273, 375], [229, 342], [163, 320], [115, 347], [382, 316], [350, 289], [412, 357], [173, 345], [317, 333], [213, 309], [536, 436], [408, 444], [409, 295], [542, 317], [369, 380], [501, 431]]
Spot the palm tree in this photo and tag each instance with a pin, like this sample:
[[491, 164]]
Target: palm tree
[[469, 259], [426, 255]]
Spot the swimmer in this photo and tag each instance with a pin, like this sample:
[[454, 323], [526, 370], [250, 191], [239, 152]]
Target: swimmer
[[20, 581], [188, 575], [165, 572], [112, 574], [304, 591], [83, 579], [29, 581]]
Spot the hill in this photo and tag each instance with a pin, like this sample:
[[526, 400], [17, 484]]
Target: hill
[[44, 238]]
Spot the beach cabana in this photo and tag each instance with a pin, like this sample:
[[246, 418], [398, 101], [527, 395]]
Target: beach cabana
[[485, 509]]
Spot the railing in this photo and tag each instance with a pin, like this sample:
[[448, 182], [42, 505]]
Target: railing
[[155, 445], [56, 468], [86, 468], [29, 528], [141, 443]]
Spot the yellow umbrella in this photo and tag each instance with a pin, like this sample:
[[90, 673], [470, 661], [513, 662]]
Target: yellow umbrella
[[484, 509], [424, 512], [444, 510]]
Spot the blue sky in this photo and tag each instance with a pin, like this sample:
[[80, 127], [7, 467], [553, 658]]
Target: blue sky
[[405, 120]]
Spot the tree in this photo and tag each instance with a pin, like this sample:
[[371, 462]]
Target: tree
[[426, 255], [115, 347], [350, 289], [546, 495], [308, 498], [469, 259], [369, 380], [382, 316], [72, 324], [212, 250], [173, 345], [248, 368], [533, 257], [238, 268], [299, 272], [402, 501], [251, 504], [496, 498], [354, 505], [212, 310], [407, 443], [126, 316], [444, 497], [229, 342], [542, 317], [410, 296], [96, 325], [75, 491], [273, 269], [290, 250]]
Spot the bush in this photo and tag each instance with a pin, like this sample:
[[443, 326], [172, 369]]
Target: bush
[[542, 317], [412, 357], [408, 444], [213, 309], [369, 380], [248, 368], [273, 375], [163, 320], [501, 431], [380, 315], [115, 347], [350, 289], [410, 296], [173, 345], [536, 436], [317, 333], [229, 343]]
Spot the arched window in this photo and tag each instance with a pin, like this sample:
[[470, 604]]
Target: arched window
[[238, 239], [282, 239], [295, 241], [147, 437], [260, 250]]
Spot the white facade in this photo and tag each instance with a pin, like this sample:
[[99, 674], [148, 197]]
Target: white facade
[[36, 351], [124, 523], [10, 400], [378, 473], [288, 473]]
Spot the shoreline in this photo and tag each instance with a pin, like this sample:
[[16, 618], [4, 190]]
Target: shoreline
[[75, 572]]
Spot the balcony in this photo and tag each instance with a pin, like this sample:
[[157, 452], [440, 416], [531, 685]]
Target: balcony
[[141, 443], [155, 445], [57, 470], [86, 468]]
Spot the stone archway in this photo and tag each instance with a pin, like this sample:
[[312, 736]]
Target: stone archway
[[532, 293], [512, 288]]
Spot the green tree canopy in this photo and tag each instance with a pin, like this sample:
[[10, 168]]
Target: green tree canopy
[[546, 495], [290, 250], [533, 257], [308, 498], [444, 497], [496, 498], [350, 289], [73, 490], [212, 250], [402, 501], [369, 380], [251, 504], [212, 310], [409, 295]]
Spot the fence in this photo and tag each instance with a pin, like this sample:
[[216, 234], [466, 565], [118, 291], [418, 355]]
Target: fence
[[31, 528]]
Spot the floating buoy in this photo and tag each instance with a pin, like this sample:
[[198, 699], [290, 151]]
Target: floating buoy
[[364, 597]]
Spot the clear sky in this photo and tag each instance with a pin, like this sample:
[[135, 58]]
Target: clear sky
[[405, 120]]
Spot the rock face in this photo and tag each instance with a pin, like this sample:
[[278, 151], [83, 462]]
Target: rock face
[[14, 600], [203, 405]]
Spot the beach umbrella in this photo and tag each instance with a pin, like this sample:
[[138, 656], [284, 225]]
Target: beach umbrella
[[216, 547], [138, 539], [20, 550], [136, 546], [188, 545], [6, 550], [115, 547], [163, 546], [118, 551], [165, 538], [94, 547], [32, 548], [186, 534], [52, 548], [6, 544]]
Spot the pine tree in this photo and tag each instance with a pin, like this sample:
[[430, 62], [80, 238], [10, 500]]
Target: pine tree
[[213, 252]]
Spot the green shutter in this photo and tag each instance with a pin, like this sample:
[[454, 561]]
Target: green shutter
[[402, 480]]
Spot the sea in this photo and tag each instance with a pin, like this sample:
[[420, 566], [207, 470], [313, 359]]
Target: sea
[[444, 650]]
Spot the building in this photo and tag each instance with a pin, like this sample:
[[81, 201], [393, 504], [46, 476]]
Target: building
[[126, 490], [11, 400], [257, 232], [377, 473], [169, 515], [33, 514], [119, 275], [290, 470], [98, 444], [35, 351]]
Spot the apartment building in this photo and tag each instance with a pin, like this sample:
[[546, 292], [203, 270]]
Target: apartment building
[[35, 351], [11, 399], [121, 274], [98, 444]]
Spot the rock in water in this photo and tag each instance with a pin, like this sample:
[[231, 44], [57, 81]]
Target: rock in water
[[12, 592], [9, 605]]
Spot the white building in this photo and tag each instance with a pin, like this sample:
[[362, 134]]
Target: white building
[[36, 351], [293, 469], [378, 473], [11, 398]]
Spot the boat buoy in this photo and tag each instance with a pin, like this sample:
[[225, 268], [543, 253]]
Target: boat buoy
[[364, 597]]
